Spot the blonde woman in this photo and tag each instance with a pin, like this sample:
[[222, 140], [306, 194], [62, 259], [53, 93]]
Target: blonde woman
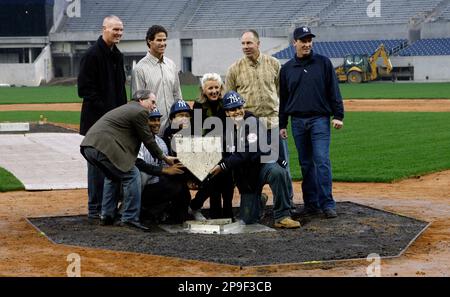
[[221, 188]]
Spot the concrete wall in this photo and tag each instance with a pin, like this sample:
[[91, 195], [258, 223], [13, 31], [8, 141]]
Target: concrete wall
[[28, 74], [216, 55], [343, 33], [435, 30], [133, 47], [436, 68]]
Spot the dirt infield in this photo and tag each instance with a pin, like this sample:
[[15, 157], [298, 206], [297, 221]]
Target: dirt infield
[[429, 105], [24, 252]]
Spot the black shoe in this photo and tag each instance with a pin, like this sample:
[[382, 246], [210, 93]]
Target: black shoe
[[330, 213], [93, 219], [106, 221], [305, 212], [135, 225]]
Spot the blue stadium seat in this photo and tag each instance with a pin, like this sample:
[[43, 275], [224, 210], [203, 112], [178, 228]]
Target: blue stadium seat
[[339, 49], [428, 47]]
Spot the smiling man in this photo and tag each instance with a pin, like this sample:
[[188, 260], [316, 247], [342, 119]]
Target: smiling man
[[158, 73], [309, 93]]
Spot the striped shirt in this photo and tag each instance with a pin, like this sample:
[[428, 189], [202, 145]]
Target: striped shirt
[[161, 78], [258, 83], [145, 155]]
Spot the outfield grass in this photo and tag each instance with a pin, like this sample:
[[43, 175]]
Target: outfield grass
[[373, 90], [51, 94], [63, 94], [386, 146], [9, 182], [69, 117], [372, 147], [388, 90]]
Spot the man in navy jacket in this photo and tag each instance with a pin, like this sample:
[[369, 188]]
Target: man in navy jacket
[[309, 93]]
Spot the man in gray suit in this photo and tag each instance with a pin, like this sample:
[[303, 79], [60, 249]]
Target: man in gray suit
[[112, 144]]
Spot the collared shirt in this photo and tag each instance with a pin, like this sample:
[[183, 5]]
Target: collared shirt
[[309, 87], [257, 83], [160, 77], [145, 155]]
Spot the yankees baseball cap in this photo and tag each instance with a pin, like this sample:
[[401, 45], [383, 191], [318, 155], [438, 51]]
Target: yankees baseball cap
[[302, 32]]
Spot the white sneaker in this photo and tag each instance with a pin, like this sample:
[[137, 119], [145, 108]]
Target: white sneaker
[[197, 214]]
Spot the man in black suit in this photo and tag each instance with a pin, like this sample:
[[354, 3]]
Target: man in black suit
[[101, 84]]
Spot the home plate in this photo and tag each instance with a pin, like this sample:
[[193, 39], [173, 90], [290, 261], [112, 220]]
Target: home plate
[[215, 226]]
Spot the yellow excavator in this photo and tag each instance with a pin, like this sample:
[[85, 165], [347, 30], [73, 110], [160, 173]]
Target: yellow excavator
[[362, 68]]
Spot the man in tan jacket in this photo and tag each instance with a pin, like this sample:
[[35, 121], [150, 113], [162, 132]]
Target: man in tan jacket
[[112, 144]]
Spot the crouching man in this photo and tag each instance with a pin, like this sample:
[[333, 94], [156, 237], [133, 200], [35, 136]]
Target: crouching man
[[165, 195], [245, 158], [112, 144]]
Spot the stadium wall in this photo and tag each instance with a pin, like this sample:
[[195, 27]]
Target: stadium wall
[[28, 74], [426, 68], [139, 48], [435, 30], [360, 32], [216, 55]]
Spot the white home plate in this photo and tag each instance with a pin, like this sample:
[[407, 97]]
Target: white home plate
[[215, 226], [44, 161], [198, 154]]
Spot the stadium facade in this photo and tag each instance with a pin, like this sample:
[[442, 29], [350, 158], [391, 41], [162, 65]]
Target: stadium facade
[[45, 39]]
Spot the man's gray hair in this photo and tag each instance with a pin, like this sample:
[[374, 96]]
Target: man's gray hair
[[141, 95], [109, 18]]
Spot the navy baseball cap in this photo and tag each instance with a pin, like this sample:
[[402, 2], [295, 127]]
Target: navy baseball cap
[[302, 32], [231, 100], [154, 114], [179, 106]]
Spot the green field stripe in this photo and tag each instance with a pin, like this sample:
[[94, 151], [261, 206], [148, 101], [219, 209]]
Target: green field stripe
[[8, 182], [68, 117], [386, 146]]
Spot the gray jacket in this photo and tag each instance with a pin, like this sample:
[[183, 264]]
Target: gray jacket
[[119, 134]]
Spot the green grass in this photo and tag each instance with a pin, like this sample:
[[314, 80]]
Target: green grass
[[372, 147], [26, 95], [190, 92], [372, 90], [9, 182], [69, 117], [386, 146], [388, 90], [63, 94]]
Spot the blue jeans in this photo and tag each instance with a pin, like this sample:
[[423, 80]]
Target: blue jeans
[[283, 154], [114, 178], [95, 190], [312, 139], [278, 180]]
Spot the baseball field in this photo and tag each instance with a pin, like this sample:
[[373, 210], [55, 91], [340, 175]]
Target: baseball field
[[393, 154]]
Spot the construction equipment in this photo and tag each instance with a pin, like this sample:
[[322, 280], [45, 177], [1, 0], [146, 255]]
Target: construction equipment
[[361, 68]]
